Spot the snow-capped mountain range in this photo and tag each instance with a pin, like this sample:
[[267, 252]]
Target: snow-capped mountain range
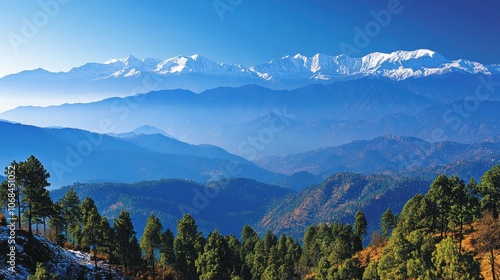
[[130, 75], [397, 65]]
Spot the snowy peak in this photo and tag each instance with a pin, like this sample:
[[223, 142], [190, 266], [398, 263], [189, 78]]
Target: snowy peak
[[398, 65]]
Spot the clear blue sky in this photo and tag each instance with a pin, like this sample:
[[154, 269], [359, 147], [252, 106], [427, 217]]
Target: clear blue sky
[[253, 32]]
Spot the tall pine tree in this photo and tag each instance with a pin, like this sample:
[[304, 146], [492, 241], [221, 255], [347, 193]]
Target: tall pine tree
[[185, 246], [126, 247], [151, 241], [33, 177]]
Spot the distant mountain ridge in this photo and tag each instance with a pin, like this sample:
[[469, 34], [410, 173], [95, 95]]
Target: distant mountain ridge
[[306, 118], [384, 154], [73, 155], [130, 75]]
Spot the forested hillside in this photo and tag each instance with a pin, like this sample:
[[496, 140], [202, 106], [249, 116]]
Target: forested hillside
[[450, 230]]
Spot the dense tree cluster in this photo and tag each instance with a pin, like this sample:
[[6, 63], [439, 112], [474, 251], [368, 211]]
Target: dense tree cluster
[[424, 241]]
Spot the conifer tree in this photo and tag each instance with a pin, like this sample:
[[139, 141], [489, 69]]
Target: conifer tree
[[33, 178], [214, 262], [87, 206], [248, 240], [490, 190], [259, 262], [107, 238], [151, 240], [441, 196], [58, 223], [236, 262], [126, 247], [167, 253], [360, 230], [71, 212], [370, 272], [185, 246], [387, 223], [91, 232], [449, 264]]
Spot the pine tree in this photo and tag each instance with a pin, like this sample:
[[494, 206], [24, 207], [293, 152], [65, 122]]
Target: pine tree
[[91, 232], [58, 223], [418, 212], [370, 272], [107, 238], [310, 256], [269, 240], [248, 240], [135, 257], [236, 262], [387, 223], [126, 247], [449, 264], [259, 262], [86, 207], [290, 259], [392, 264], [360, 230], [167, 253], [463, 206], [71, 212], [441, 196], [350, 269], [271, 273], [151, 240], [214, 262], [33, 177], [185, 246], [420, 259], [490, 190]]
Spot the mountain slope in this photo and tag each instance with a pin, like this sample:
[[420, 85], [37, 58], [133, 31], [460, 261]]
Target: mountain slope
[[162, 144], [72, 155], [338, 198], [227, 204], [55, 259]]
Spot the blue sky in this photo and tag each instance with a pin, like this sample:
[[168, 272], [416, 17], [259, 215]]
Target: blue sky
[[59, 34]]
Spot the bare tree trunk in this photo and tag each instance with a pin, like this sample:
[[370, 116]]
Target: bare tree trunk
[[153, 260], [95, 256], [492, 262]]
